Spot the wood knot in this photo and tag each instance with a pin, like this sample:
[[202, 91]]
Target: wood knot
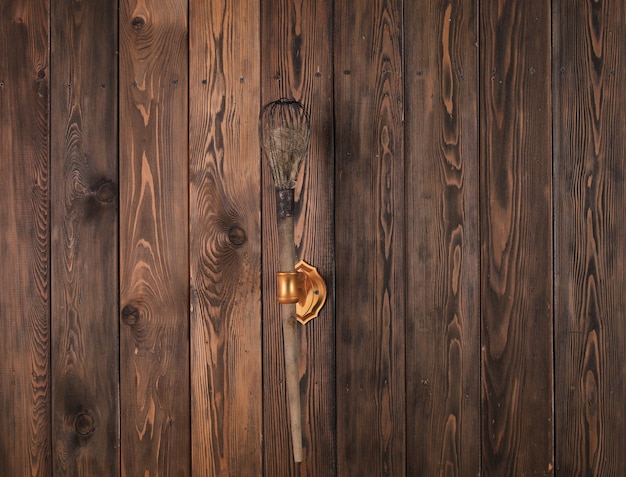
[[84, 424], [138, 23], [130, 315], [106, 191], [237, 236]]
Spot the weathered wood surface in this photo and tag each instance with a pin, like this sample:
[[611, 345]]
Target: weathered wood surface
[[516, 239], [154, 270], [85, 353], [225, 239], [394, 90], [296, 46], [442, 254], [24, 239], [590, 226], [369, 221]]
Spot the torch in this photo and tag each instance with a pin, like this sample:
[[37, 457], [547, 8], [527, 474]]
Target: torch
[[285, 131]]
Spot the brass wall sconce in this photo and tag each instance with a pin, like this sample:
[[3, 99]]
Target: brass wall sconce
[[305, 287], [284, 131]]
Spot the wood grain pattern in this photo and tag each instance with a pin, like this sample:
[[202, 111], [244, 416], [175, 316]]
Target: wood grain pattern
[[85, 353], [225, 239], [154, 270], [516, 239], [443, 255], [447, 219], [369, 221], [24, 240], [590, 196], [296, 48]]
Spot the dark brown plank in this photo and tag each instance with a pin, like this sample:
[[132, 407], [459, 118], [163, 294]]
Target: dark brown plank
[[296, 52], [24, 240], [154, 270], [225, 239], [516, 239], [590, 226], [443, 255], [370, 269], [85, 353]]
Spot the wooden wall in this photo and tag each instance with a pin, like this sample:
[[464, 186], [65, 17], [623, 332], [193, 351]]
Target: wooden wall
[[463, 197]]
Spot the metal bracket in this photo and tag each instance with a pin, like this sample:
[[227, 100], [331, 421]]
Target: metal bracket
[[305, 287]]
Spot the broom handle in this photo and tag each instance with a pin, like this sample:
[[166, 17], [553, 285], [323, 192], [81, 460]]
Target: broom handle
[[290, 337]]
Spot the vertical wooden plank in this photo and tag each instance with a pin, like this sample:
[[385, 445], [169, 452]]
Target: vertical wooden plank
[[516, 238], [590, 226], [296, 50], [443, 255], [370, 268], [85, 353], [24, 241], [154, 270], [225, 239]]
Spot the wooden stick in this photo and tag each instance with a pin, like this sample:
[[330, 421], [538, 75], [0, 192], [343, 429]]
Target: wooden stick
[[290, 336], [284, 132]]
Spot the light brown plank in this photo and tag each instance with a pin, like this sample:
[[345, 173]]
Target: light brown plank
[[24, 240], [369, 221], [154, 270], [85, 352], [590, 198], [516, 238], [443, 254], [225, 239], [296, 52]]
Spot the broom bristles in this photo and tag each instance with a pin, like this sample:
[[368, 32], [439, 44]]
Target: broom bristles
[[287, 149], [285, 133]]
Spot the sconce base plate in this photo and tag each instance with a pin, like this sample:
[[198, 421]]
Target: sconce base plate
[[313, 295]]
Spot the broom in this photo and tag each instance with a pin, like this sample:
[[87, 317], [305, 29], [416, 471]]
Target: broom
[[284, 131]]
